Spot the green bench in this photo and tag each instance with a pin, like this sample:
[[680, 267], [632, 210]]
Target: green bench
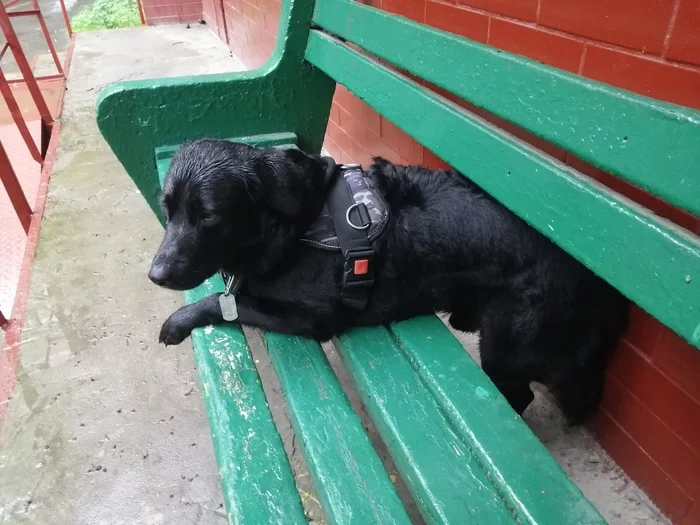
[[465, 456]]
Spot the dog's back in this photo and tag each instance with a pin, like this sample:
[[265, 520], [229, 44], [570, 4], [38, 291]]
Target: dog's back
[[543, 316]]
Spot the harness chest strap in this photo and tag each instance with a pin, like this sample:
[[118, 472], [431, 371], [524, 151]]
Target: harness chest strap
[[352, 222]]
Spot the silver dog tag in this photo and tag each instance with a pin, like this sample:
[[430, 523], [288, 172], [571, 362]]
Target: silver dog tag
[[229, 310]]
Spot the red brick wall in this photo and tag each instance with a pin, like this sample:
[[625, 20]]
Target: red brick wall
[[213, 15], [172, 11], [650, 421], [252, 28]]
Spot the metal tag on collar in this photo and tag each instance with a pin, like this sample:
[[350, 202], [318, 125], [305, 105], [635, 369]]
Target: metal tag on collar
[[227, 300]]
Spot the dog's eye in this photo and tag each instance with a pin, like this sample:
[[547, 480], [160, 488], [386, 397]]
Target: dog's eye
[[207, 216]]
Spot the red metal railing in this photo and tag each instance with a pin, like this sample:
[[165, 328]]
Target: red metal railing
[[16, 113], [14, 190], [8, 177], [36, 11]]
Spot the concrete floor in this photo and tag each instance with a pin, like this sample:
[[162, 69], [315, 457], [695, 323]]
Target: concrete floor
[[106, 426]]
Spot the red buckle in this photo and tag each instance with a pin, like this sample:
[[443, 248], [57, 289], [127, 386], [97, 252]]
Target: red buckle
[[361, 267]]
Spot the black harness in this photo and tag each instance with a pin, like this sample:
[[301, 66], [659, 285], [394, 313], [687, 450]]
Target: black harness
[[354, 231], [352, 218]]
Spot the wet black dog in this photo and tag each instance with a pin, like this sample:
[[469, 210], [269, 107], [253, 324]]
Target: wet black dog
[[448, 247]]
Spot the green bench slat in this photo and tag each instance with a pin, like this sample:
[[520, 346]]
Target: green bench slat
[[256, 479], [649, 143], [348, 475], [268, 140], [165, 154], [526, 475], [654, 263], [446, 479]]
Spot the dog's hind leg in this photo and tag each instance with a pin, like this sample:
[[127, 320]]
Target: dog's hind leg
[[512, 382], [502, 353], [579, 389], [580, 398], [465, 317], [514, 388]]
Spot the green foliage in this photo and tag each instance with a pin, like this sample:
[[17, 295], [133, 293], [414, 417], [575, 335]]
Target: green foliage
[[107, 14]]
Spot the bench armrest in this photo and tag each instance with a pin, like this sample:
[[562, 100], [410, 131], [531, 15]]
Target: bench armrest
[[287, 94]]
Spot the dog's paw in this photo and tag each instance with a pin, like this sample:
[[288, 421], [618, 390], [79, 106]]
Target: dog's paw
[[173, 332]]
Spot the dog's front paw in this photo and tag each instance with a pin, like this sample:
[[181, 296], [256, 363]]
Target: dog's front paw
[[174, 331]]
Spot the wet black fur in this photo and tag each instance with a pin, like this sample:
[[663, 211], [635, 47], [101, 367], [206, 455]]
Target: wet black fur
[[448, 247]]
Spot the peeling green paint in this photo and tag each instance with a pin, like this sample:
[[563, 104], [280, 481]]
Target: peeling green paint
[[348, 475], [517, 464]]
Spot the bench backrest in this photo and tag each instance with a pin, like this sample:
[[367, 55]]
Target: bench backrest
[[651, 144]]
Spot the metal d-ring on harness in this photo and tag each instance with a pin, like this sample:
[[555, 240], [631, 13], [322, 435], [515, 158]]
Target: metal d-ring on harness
[[352, 221], [349, 221]]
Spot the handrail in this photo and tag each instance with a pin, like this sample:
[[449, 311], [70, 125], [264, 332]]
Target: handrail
[[26, 70], [14, 190], [16, 113], [8, 177]]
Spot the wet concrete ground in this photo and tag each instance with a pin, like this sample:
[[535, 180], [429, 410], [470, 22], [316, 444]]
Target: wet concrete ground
[[106, 426]]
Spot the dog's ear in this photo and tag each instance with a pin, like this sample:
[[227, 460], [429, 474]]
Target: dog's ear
[[288, 180]]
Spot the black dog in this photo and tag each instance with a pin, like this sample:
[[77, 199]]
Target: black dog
[[448, 246]]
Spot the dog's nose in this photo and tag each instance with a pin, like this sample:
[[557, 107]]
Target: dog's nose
[[159, 274]]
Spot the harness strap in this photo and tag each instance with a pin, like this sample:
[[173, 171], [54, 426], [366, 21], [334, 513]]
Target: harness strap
[[352, 221]]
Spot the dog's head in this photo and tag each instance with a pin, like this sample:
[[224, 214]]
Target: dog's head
[[224, 203]]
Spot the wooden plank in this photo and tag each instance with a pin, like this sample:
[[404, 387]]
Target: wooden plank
[[527, 476], [649, 143], [446, 479], [347, 473], [651, 261], [256, 479]]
